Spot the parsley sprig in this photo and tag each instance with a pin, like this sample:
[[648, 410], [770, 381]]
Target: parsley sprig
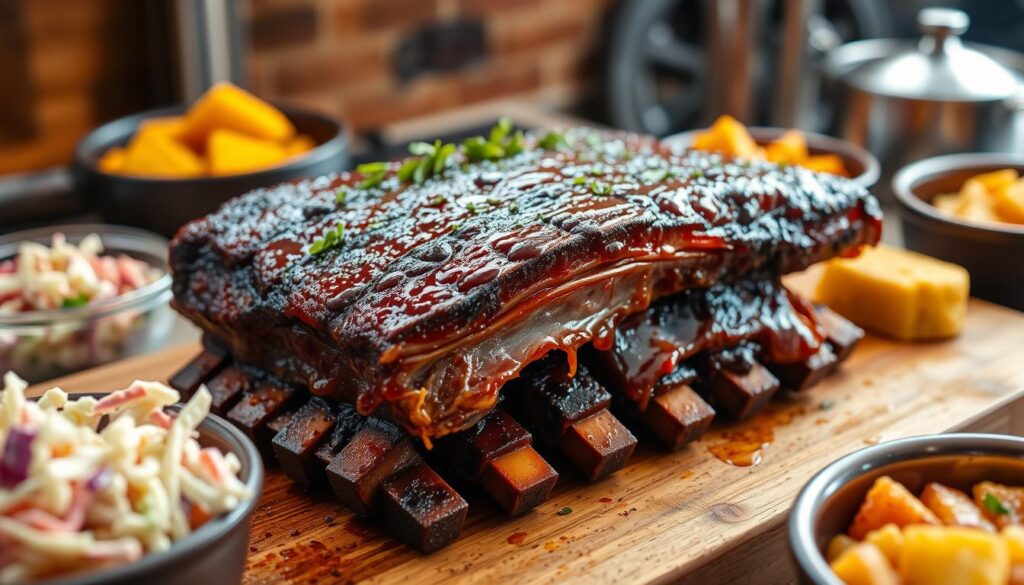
[[374, 174], [994, 504], [500, 143], [553, 141], [332, 238], [430, 160]]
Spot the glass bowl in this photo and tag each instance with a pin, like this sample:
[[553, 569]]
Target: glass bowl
[[39, 345]]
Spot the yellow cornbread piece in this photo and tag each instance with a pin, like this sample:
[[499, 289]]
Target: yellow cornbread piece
[[897, 293], [948, 555]]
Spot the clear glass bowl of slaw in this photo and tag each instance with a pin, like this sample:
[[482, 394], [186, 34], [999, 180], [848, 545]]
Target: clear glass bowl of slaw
[[45, 344]]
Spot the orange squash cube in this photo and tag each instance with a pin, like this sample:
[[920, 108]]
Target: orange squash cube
[[170, 126], [729, 136], [231, 153], [790, 148], [155, 154], [300, 144], [113, 160], [226, 106], [888, 502], [826, 163]]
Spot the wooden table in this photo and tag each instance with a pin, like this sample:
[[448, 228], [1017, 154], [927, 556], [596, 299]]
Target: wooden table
[[685, 516]]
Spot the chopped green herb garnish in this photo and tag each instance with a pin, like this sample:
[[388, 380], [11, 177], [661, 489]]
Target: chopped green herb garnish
[[581, 180], [553, 141], [514, 208], [430, 159], [994, 504], [437, 200], [472, 208], [697, 174], [499, 144], [565, 511], [597, 172], [374, 174], [77, 301], [599, 188], [341, 197], [656, 175], [493, 201], [408, 168], [455, 227], [331, 239]]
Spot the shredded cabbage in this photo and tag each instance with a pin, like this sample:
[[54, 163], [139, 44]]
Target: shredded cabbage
[[94, 498]]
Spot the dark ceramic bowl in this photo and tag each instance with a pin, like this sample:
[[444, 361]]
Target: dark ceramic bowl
[[164, 205], [216, 552], [991, 252], [828, 503], [862, 165]]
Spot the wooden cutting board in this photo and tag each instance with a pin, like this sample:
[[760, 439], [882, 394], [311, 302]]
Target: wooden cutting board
[[685, 516]]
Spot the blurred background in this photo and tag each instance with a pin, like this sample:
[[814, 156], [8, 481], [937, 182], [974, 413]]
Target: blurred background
[[873, 85]]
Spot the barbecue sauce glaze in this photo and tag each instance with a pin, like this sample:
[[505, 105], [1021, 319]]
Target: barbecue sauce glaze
[[444, 291]]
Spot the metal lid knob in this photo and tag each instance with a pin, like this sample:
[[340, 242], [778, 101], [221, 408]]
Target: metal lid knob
[[941, 28]]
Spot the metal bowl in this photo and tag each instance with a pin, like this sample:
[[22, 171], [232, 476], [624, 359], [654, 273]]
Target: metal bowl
[[40, 345], [828, 503], [987, 250], [863, 167], [216, 552], [164, 205]]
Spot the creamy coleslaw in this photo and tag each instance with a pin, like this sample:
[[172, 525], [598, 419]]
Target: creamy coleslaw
[[62, 283], [77, 495]]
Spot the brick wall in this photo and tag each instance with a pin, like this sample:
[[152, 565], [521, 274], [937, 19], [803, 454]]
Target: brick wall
[[337, 55], [68, 65]]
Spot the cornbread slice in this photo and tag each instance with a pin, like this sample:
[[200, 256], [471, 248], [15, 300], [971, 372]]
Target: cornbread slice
[[897, 293]]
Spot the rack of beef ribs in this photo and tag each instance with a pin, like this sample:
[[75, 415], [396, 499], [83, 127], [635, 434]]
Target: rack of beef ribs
[[555, 294]]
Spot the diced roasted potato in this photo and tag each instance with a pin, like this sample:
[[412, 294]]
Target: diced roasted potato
[[889, 539], [954, 508], [839, 544], [1014, 537], [1003, 505], [951, 555], [864, 564], [889, 502], [996, 179], [1008, 202]]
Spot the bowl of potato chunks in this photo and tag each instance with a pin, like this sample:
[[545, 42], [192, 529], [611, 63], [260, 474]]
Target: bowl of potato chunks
[[928, 510], [159, 169], [968, 209]]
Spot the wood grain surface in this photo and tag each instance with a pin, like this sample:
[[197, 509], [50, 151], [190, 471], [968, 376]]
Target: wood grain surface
[[685, 516]]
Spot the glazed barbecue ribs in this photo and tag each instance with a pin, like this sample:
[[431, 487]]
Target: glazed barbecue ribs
[[438, 292]]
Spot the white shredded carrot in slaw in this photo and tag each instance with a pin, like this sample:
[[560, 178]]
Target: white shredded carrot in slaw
[[74, 498]]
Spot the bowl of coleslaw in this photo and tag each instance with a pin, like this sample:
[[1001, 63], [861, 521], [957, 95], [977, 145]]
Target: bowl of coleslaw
[[125, 487], [76, 296]]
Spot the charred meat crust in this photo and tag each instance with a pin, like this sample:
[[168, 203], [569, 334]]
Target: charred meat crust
[[425, 266]]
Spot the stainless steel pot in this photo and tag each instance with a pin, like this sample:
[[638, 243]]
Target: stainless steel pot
[[904, 101]]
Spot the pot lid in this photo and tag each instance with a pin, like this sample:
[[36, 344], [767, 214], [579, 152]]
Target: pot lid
[[939, 67]]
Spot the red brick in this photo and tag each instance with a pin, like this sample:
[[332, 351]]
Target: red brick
[[490, 7], [310, 71], [537, 34], [499, 81], [285, 27]]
